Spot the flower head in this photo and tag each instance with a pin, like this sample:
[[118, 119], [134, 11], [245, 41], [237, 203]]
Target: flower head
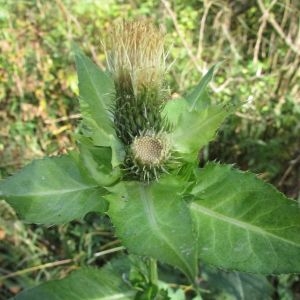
[[148, 156], [149, 150], [136, 60]]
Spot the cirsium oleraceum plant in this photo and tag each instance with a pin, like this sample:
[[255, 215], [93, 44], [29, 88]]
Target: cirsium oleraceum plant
[[137, 162]]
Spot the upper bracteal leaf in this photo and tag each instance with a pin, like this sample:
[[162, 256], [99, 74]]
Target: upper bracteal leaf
[[96, 92], [153, 220], [194, 120], [173, 110], [196, 129], [198, 98], [98, 162], [84, 284], [244, 223], [53, 191]]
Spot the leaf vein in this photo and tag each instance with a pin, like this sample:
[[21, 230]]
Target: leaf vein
[[238, 223]]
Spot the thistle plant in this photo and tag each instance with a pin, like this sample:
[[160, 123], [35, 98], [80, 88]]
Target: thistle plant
[[137, 162]]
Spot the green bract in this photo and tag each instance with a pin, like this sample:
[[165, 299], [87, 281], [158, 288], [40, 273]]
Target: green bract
[[137, 162]]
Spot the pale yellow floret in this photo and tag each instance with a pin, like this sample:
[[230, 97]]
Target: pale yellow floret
[[136, 50], [150, 150]]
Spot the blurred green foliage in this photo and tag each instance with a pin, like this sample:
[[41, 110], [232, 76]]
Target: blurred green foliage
[[39, 110]]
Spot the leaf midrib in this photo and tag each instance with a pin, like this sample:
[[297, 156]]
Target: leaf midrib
[[147, 202], [239, 223], [98, 94], [57, 192]]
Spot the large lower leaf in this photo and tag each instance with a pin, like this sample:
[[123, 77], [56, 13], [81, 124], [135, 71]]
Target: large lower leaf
[[153, 220], [52, 191], [244, 223], [84, 284]]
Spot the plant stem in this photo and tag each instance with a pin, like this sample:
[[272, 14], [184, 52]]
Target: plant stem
[[36, 268], [153, 271]]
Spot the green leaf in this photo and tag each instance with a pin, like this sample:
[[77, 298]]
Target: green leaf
[[173, 110], [243, 223], [196, 129], [194, 120], [199, 99], [172, 293], [53, 190], [84, 284], [236, 285], [96, 91], [97, 161], [153, 220], [196, 101]]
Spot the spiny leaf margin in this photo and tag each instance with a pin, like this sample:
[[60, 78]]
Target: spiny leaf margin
[[243, 223]]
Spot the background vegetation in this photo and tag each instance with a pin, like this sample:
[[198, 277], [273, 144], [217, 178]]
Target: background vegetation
[[259, 44]]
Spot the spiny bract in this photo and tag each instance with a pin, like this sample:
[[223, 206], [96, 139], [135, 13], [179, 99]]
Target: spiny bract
[[136, 60]]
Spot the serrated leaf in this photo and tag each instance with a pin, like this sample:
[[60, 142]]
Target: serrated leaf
[[84, 284], [199, 99], [173, 110], [196, 129], [236, 285], [97, 160], [96, 91], [53, 191], [153, 220], [245, 224], [194, 120]]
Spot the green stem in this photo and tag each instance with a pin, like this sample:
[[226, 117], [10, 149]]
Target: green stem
[[153, 271]]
